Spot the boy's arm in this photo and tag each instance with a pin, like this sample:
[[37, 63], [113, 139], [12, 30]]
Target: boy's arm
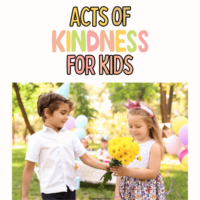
[[26, 180], [92, 162]]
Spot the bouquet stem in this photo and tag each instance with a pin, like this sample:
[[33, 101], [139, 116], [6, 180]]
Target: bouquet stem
[[108, 175]]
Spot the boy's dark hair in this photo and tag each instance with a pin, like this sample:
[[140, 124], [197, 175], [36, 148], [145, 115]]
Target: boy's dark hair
[[103, 140], [52, 101]]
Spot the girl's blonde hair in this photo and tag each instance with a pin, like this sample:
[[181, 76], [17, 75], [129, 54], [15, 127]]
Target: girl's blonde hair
[[155, 131]]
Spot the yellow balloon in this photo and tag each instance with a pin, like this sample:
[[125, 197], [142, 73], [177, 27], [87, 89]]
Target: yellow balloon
[[178, 122], [185, 161]]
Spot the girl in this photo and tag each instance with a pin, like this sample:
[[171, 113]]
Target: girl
[[142, 179]]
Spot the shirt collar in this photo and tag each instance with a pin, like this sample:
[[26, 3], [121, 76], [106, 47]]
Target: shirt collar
[[106, 148], [46, 128]]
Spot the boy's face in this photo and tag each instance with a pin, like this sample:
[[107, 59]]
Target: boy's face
[[57, 120], [104, 145]]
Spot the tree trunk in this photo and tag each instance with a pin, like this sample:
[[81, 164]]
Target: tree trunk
[[25, 134], [165, 106], [29, 127], [170, 103], [162, 103]]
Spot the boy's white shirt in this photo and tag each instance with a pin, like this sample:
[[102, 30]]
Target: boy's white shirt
[[55, 152], [104, 155]]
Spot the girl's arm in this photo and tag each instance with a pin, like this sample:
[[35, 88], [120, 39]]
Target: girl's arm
[[150, 173], [26, 180], [92, 162], [117, 191]]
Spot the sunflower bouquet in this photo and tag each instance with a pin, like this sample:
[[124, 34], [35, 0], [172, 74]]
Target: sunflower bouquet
[[123, 151]]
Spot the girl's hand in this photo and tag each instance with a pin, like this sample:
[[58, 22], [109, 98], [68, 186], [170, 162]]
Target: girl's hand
[[119, 171]]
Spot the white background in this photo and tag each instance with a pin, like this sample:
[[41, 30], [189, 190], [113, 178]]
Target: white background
[[26, 56]]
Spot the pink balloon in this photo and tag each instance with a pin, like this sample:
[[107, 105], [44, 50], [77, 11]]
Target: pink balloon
[[183, 134], [182, 154], [70, 123], [173, 145]]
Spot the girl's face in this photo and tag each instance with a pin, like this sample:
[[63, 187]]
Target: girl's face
[[138, 128]]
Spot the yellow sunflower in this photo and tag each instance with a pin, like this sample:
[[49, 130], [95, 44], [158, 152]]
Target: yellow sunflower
[[139, 158], [112, 151], [124, 144], [118, 140], [129, 139], [136, 148], [128, 147], [125, 160], [112, 142], [132, 157], [120, 148], [119, 156]]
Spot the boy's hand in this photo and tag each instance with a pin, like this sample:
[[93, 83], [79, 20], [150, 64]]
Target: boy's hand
[[101, 153], [107, 166], [108, 157]]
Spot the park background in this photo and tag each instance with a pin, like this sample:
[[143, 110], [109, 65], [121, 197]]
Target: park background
[[102, 104]]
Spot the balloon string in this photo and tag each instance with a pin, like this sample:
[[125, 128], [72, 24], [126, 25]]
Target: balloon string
[[182, 172], [170, 190], [184, 175], [172, 179], [169, 170], [175, 187]]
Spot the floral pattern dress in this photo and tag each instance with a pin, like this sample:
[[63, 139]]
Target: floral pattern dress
[[138, 189], [135, 189]]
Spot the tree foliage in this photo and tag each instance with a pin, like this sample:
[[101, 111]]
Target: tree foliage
[[121, 92], [90, 100], [22, 108], [82, 105]]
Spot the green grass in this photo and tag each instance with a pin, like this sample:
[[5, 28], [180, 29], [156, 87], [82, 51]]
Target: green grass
[[87, 190], [94, 146]]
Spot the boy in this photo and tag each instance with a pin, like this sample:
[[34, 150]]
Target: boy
[[102, 153], [54, 149]]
